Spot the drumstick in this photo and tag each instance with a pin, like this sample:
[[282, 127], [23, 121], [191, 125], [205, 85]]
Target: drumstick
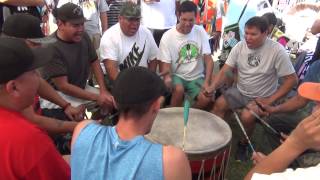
[[263, 121], [243, 130], [258, 117], [186, 108]]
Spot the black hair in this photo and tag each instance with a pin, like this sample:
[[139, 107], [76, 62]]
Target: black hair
[[187, 6], [136, 110], [271, 18], [258, 22], [281, 25]]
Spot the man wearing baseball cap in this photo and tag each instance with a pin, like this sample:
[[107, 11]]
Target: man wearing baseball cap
[[25, 149], [121, 152], [304, 137], [74, 55], [127, 44]]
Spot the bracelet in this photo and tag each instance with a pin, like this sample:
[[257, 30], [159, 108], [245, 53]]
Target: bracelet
[[66, 106]]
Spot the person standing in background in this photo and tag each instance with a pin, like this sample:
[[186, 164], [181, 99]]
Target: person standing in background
[[159, 16]]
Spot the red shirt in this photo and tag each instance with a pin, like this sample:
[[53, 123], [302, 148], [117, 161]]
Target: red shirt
[[26, 152]]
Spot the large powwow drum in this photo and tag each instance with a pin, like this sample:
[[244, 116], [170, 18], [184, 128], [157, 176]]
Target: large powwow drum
[[207, 140]]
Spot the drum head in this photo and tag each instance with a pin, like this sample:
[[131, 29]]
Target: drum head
[[206, 133]]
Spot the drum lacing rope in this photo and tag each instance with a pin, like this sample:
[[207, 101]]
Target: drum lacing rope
[[213, 169], [222, 165], [226, 167], [201, 173]]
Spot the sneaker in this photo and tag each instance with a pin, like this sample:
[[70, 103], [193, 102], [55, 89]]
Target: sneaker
[[243, 153]]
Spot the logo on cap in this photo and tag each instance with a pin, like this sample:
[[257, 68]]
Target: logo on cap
[[77, 11]]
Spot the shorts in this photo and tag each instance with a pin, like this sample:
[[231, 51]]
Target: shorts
[[235, 99], [192, 88]]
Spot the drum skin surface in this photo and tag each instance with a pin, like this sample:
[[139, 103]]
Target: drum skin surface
[[207, 134]]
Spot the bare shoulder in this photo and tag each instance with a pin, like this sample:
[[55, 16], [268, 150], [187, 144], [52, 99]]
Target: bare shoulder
[[175, 164], [78, 129]]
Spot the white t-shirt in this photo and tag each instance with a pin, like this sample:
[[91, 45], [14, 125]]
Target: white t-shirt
[[311, 173], [259, 69], [159, 15], [131, 51], [91, 11], [185, 52]]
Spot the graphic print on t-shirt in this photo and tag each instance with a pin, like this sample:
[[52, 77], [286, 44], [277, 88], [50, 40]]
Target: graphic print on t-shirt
[[89, 8], [254, 59], [188, 52], [134, 57]]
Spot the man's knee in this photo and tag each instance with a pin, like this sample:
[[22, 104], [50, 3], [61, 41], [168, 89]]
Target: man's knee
[[220, 105], [247, 118], [178, 89]]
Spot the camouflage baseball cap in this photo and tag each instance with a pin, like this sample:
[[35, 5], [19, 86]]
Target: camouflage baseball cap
[[130, 10]]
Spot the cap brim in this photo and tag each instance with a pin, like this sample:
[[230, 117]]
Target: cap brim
[[42, 56], [44, 40], [133, 17], [310, 91], [77, 21]]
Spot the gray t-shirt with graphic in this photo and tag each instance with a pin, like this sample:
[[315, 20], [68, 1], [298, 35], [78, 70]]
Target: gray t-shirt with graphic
[[260, 68]]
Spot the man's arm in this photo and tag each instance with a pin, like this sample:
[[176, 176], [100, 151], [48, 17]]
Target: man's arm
[[289, 82], [175, 164], [64, 86], [47, 92], [103, 8], [23, 2], [111, 68], [225, 73], [153, 64], [97, 70], [104, 21], [305, 136], [51, 125], [292, 104], [104, 97], [209, 68], [165, 71]]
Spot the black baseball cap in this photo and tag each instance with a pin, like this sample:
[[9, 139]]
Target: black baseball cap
[[17, 58], [70, 12], [25, 26], [138, 85]]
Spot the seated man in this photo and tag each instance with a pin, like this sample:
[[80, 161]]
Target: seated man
[[121, 152], [260, 62], [305, 136], [185, 51], [68, 70], [26, 151], [95, 11], [30, 31], [127, 44], [286, 116]]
